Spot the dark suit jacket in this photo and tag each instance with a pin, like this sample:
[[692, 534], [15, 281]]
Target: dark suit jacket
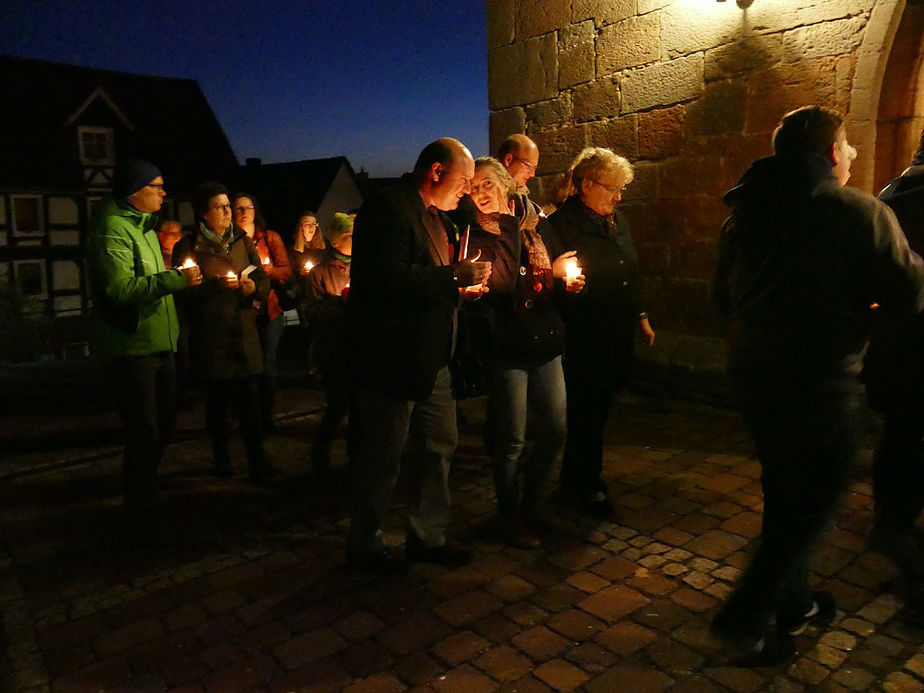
[[402, 293]]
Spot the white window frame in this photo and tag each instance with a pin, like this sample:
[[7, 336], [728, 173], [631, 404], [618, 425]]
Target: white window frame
[[43, 274], [41, 216], [110, 145]]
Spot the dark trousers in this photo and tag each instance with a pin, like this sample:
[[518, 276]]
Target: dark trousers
[[807, 438], [592, 378], [146, 392], [339, 396], [388, 423], [240, 395], [270, 332], [898, 468]]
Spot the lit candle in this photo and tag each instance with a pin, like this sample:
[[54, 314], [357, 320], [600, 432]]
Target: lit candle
[[266, 261], [571, 269], [231, 275], [189, 263], [309, 265]]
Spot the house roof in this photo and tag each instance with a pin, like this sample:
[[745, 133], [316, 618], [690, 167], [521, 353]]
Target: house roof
[[166, 120], [284, 190]]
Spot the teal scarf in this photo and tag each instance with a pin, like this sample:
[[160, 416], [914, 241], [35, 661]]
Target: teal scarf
[[224, 240]]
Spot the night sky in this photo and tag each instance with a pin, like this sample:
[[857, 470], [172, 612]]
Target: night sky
[[373, 80]]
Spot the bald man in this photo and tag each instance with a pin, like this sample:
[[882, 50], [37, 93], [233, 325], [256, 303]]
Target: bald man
[[405, 280], [520, 156]]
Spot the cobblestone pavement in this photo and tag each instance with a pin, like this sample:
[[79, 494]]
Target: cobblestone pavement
[[247, 590]]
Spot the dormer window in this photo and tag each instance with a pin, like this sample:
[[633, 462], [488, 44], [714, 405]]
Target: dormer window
[[96, 146]]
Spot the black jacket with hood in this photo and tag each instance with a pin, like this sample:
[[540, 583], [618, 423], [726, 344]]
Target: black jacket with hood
[[800, 261]]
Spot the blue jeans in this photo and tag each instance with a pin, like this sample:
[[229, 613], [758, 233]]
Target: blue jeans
[[514, 391], [270, 335]]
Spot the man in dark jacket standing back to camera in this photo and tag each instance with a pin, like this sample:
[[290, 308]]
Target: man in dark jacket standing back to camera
[[894, 376], [800, 261], [136, 325], [403, 299]]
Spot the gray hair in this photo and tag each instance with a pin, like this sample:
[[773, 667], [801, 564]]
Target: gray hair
[[595, 161]]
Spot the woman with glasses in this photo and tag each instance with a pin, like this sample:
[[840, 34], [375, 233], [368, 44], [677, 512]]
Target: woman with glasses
[[526, 338], [601, 322], [223, 326], [270, 320]]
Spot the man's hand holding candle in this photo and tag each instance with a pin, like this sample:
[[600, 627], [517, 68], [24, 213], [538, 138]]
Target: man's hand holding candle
[[471, 275], [191, 272]]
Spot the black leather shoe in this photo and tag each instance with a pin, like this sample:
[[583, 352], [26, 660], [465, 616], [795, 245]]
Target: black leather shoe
[[448, 554], [381, 561]]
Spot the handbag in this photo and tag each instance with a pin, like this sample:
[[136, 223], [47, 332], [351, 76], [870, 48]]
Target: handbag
[[469, 367]]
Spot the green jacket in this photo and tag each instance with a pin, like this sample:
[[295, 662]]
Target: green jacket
[[133, 306]]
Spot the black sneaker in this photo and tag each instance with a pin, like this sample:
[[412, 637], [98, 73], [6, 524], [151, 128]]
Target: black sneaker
[[754, 649], [821, 613], [381, 561], [448, 555]]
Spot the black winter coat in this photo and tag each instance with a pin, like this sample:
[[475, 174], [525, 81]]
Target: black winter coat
[[224, 342], [894, 366], [800, 261], [602, 318]]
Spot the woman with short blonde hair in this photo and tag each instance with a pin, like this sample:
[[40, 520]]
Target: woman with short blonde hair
[[600, 323]]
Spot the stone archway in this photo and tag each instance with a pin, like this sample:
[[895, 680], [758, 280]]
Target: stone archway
[[901, 100], [887, 98]]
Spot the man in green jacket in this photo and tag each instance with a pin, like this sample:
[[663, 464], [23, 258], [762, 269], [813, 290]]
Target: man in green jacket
[[136, 325]]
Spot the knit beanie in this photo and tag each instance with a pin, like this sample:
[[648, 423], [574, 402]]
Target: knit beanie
[[132, 175], [340, 225]]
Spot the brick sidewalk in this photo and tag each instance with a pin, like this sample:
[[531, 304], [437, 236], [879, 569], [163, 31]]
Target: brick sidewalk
[[248, 593]]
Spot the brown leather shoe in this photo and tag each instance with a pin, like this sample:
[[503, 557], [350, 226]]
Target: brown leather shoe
[[517, 534], [542, 519]]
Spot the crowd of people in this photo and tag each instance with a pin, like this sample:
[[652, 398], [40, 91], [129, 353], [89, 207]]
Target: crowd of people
[[454, 283]]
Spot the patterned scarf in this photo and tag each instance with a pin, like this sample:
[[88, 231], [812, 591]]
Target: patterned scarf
[[539, 273], [224, 240]]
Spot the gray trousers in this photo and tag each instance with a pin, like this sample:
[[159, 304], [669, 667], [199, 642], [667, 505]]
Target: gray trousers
[[387, 423]]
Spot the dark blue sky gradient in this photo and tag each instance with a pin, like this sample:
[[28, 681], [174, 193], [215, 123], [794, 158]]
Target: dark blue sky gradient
[[374, 80]]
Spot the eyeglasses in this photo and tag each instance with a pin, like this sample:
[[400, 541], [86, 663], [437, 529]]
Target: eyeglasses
[[156, 186], [221, 208], [613, 189], [531, 167], [243, 208]]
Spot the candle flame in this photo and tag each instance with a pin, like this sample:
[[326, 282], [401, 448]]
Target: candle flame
[[189, 263], [231, 275], [266, 261], [571, 269], [309, 265]]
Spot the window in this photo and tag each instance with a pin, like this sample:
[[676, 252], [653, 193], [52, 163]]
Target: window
[[96, 146], [27, 215], [30, 278]]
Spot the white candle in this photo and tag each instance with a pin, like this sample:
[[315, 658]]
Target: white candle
[[571, 269]]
